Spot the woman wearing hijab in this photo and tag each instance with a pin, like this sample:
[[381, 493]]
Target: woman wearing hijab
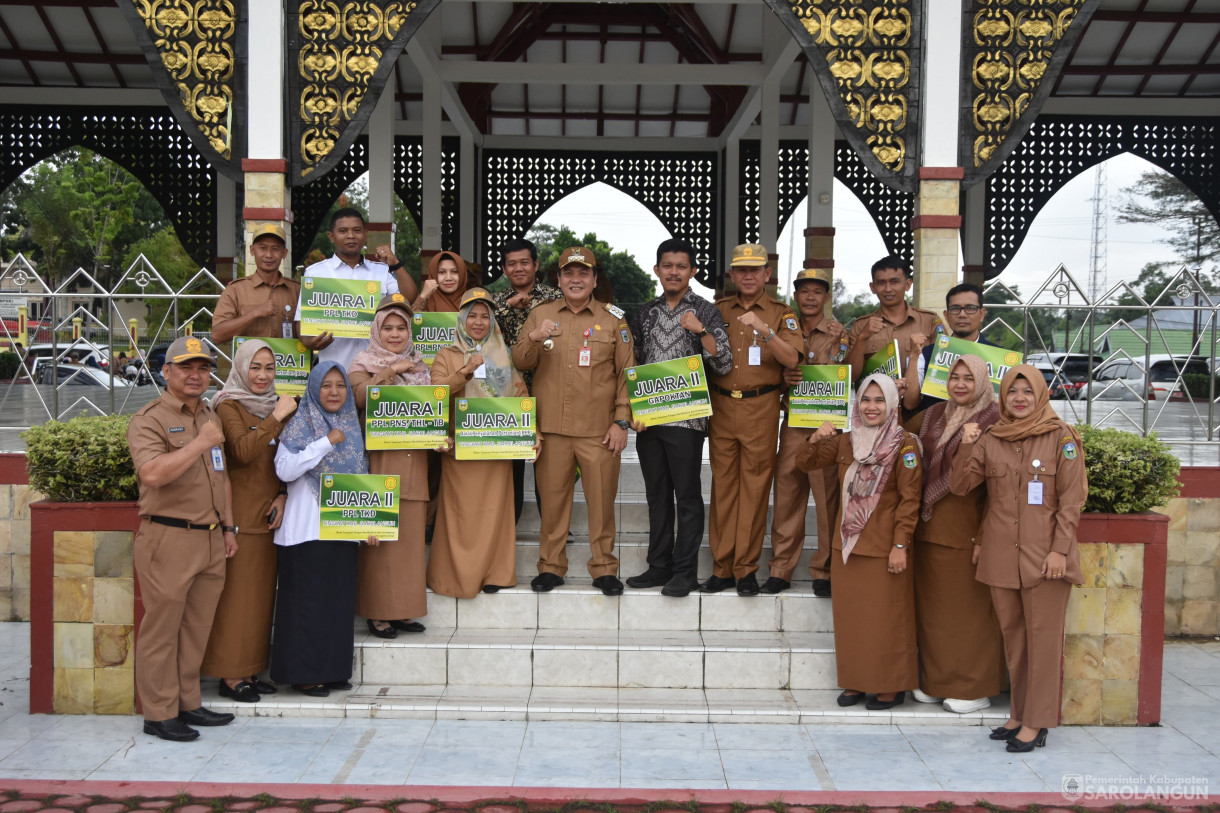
[[475, 544], [874, 601], [1033, 464], [444, 284], [391, 585], [253, 417], [961, 654], [317, 588]]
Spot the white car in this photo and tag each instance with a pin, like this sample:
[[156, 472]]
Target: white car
[[84, 350], [1123, 379], [45, 371]]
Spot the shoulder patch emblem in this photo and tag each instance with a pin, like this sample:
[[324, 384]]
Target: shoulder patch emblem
[[790, 323], [909, 460], [616, 311], [1069, 451], [626, 334]]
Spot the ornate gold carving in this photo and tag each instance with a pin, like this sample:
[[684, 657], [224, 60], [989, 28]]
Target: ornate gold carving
[[341, 48], [866, 46], [195, 39], [1013, 47]]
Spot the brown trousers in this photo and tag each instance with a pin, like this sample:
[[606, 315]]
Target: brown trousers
[[182, 574], [556, 469], [792, 488], [1032, 620], [742, 435], [241, 630]]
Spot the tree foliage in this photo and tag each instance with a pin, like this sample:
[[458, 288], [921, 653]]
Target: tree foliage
[[166, 254], [847, 309], [83, 460], [1161, 199], [407, 239]]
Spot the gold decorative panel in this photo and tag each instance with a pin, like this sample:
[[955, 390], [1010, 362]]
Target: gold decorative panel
[[342, 54], [866, 55], [192, 47], [1012, 53]]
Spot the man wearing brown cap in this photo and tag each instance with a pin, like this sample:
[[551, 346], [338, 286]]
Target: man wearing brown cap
[[825, 342], [186, 533], [743, 430], [578, 348], [261, 304]]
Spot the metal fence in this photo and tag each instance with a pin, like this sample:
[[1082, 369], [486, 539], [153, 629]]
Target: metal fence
[[1056, 326]]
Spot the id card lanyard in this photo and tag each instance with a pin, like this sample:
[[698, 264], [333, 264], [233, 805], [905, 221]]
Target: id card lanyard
[[755, 352], [586, 354], [286, 325], [481, 370], [1035, 486]]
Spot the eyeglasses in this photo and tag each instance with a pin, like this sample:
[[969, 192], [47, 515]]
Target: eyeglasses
[[970, 309]]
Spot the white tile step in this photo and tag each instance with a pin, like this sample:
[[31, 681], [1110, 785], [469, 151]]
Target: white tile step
[[631, 515], [483, 702]]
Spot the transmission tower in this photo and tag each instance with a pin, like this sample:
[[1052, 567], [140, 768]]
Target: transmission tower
[[1097, 248]]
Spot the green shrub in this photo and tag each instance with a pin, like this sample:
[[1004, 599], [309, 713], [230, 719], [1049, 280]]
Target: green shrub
[[9, 364], [83, 460], [1197, 385], [1127, 473]]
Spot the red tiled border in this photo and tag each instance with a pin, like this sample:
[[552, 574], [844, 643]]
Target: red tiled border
[[1200, 482], [470, 796], [942, 173], [13, 470], [264, 165], [936, 222]]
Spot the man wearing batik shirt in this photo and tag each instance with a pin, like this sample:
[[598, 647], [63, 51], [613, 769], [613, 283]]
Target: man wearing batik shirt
[[512, 306], [675, 325]]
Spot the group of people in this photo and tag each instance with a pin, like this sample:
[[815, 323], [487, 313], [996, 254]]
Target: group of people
[[947, 528]]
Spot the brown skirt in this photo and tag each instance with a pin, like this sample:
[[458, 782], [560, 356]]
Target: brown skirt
[[475, 542], [390, 580], [241, 630], [961, 651], [874, 615]]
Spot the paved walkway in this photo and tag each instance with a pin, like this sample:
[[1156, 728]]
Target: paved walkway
[[616, 755]]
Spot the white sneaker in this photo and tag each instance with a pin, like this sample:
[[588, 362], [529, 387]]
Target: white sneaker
[[924, 697], [966, 706]]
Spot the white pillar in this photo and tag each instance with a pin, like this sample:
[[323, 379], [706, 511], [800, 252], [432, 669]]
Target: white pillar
[[226, 228], [467, 202], [941, 83], [974, 250], [731, 206], [821, 158], [380, 130], [265, 79], [768, 167], [431, 179]]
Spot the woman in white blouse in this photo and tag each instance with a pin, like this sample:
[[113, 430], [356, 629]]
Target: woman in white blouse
[[316, 601]]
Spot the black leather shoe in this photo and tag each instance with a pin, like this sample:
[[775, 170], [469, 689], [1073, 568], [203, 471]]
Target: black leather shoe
[[882, 705], [545, 582], [652, 577], [821, 588], [747, 586], [850, 698], [407, 625], [338, 685], [202, 716], [1002, 733], [387, 632], [172, 729], [680, 586], [609, 585], [1016, 745], [243, 692], [774, 585], [312, 691], [263, 686], [717, 583], [492, 588]]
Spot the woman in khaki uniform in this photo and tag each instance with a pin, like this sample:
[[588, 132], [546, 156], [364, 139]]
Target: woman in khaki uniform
[[961, 655], [475, 544], [391, 589], [253, 417], [1033, 464], [873, 601]]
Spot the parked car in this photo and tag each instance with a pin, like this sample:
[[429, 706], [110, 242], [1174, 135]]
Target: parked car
[[84, 350], [47, 372], [1065, 373], [1123, 379]]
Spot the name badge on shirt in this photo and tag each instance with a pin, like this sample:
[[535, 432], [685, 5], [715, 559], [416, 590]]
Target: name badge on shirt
[[218, 459], [755, 355], [1035, 492], [586, 357]]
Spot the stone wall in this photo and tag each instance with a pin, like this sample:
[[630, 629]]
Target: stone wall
[[15, 499], [1192, 579]]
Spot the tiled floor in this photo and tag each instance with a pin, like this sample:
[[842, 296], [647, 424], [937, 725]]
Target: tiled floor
[[612, 755]]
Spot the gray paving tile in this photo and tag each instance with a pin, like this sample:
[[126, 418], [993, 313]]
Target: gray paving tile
[[476, 734], [670, 763], [62, 755], [572, 734], [258, 762], [651, 736], [438, 765], [745, 736]]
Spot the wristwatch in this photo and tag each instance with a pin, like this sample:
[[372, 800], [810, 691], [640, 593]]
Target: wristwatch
[[622, 425], [701, 334], [769, 336], [229, 529], [396, 266]]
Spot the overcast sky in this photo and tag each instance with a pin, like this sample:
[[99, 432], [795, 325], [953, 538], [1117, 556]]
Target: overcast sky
[[1061, 233]]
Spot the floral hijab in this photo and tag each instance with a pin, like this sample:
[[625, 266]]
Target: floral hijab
[[874, 449], [502, 379], [311, 421], [377, 357], [237, 385]]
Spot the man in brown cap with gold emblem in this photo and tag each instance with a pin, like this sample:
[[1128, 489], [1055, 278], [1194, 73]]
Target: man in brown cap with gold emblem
[[262, 304], [186, 533], [579, 349], [765, 339], [825, 343]]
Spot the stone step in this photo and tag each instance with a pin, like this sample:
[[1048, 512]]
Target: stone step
[[485, 702], [577, 605], [631, 515]]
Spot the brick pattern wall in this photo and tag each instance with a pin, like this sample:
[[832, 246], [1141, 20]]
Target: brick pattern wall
[[1192, 578], [15, 551]]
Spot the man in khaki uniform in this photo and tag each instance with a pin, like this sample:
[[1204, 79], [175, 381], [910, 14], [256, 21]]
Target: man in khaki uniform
[[825, 343], [578, 348], [186, 533], [895, 319], [264, 303], [764, 339]]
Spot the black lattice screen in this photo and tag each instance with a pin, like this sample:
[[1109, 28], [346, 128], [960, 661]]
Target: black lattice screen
[[408, 184], [147, 142], [679, 188], [311, 202], [1058, 148]]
